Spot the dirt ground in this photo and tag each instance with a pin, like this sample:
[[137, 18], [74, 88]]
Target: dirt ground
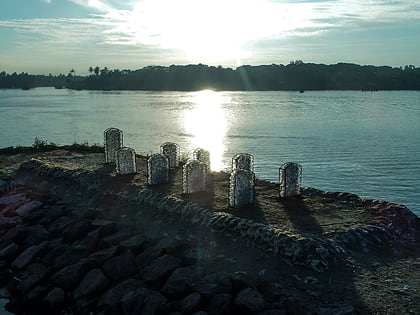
[[380, 282]]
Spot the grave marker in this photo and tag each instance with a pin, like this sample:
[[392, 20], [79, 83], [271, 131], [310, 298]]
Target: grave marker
[[125, 161], [194, 177], [113, 140], [243, 161], [241, 188], [171, 151], [158, 169], [290, 177]]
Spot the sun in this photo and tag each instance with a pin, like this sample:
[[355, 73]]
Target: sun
[[205, 30]]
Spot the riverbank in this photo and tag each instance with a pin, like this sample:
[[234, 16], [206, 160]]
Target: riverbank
[[90, 240]]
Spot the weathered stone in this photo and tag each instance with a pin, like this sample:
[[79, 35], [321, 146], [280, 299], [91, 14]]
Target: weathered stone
[[111, 300], [194, 177], [13, 201], [240, 281], [35, 293], [171, 151], [113, 141], [135, 243], [243, 161], [28, 255], [179, 283], [120, 267], [249, 301], [158, 169], [35, 234], [25, 209], [8, 250], [171, 245], [55, 298], [241, 188], [215, 283], [53, 253], [68, 257], [74, 231], [105, 226], [191, 303], [101, 256], [147, 256], [160, 268], [94, 282], [202, 156], [57, 226], [31, 277], [116, 238], [91, 242], [220, 304], [125, 161], [143, 301], [68, 277], [337, 309], [290, 177]]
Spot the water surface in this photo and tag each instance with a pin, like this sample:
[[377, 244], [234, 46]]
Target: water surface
[[362, 142]]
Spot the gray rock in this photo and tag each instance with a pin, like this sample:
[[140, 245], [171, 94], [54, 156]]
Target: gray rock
[[160, 268], [58, 225], [68, 277], [25, 209], [179, 283], [249, 301], [105, 226], [171, 245], [111, 300], [35, 293], [34, 274], [147, 256], [73, 232], [215, 283], [120, 267], [273, 312], [101, 256], [94, 282], [35, 234], [240, 281], [91, 242], [55, 298], [28, 255], [337, 309], [68, 257], [191, 303], [220, 304], [135, 243], [143, 301], [53, 253], [8, 250], [116, 238]]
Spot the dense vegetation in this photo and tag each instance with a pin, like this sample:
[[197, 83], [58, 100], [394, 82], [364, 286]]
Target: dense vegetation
[[297, 75]]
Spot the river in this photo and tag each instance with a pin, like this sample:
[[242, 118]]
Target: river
[[361, 142]]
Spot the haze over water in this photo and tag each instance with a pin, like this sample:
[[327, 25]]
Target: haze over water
[[361, 142]]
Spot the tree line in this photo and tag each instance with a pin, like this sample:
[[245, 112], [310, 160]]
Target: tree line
[[296, 75]]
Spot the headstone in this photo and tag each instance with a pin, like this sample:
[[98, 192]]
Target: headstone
[[243, 161], [290, 177], [171, 151], [113, 140], [194, 177], [158, 169], [125, 161], [202, 156], [241, 188]]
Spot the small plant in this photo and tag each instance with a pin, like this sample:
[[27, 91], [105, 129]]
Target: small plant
[[39, 144]]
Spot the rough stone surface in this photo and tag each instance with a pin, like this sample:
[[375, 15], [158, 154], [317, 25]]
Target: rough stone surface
[[28, 255], [8, 250], [125, 161], [215, 283], [220, 304], [68, 277], [55, 298], [120, 267], [31, 277], [191, 303], [241, 188], [113, 140], [249, 300], [94, 282], [179, 283], [160, 268], [143, 301], [111, 299], [158, 169]]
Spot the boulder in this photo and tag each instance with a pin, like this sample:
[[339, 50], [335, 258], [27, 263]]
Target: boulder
[[68, 277], [220, 304], [111, 300], [215, 283], [8, 250], [120, 267], [143, 301], [55, 298], [136, 243], [28, 255], [160, 268], [25, 209], [147, 256], [101, 256], [94, 282], [32, 276], [179, 283], [191, 303], [249, 301]]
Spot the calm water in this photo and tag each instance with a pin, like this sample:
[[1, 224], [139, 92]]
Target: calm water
[[365, 143]]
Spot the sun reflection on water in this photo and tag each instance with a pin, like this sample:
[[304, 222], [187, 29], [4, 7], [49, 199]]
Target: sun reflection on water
[[207, 124]]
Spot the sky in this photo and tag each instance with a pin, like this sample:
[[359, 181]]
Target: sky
[[55, 36]]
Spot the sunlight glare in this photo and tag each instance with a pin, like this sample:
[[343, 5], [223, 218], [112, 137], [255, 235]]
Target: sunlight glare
[[207, 124]]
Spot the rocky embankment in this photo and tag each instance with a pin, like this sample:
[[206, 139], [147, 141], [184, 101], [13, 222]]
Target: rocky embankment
[[73, 243]]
